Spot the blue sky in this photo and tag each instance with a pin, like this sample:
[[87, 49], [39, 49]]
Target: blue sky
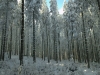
[[59, 3]]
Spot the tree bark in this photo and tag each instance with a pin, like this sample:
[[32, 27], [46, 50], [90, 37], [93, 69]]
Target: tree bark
[[34, 56], [22, 35], [10, 42], [85, 39]]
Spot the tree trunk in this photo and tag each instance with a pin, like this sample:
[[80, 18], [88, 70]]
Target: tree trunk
[[10, 42], [98, 1], [42, 47], [4, 34], [28, 44], [55, 46], [2, 40], [85, 39], [34, 56], [22, 35], [48, 48], [16, 44]]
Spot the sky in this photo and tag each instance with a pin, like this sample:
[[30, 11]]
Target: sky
[[59, 3]]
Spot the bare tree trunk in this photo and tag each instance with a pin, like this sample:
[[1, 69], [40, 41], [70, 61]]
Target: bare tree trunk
[[78, 51], [10, 42], [59, 46], [55, 46], [2, 40], [85, 39], [48, 48], [34, 56], [19, 42], [28, 44], [22, 35], [42, 47], [4, 34], [98, 1], [16, 44]]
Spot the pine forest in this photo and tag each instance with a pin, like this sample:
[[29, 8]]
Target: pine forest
[[39, 40]]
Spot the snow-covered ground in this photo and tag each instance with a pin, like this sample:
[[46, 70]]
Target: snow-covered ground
[[12, 67]]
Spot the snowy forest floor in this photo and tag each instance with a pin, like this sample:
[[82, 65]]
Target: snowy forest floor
[[12, 67]]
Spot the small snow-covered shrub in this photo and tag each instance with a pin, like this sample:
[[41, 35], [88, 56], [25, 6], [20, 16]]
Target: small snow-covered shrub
[[72, 67]]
